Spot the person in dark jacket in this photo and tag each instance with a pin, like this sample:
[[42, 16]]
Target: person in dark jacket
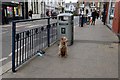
[[87, 11], [47, 13], [30, 14], [97, 15], [94, 15]]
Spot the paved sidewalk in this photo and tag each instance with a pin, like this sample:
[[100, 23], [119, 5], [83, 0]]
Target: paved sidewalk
[[94, 54]]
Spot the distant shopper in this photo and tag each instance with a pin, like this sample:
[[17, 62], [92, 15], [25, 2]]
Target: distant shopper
[[102, 16], [30, 14], [89, 19], [47, 13], [87, 11], [97, 15], [94, 14]]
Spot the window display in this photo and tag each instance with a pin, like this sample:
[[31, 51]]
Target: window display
[[20, 10], [16, 11], [5, 12], [12, 11], [9, 11]]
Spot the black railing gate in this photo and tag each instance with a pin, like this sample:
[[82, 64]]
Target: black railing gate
[[27, 43]]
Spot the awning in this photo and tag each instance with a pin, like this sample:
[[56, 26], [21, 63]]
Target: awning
[[10, 4]]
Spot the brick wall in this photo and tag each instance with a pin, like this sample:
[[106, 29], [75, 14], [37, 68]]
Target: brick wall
[[116, 19]]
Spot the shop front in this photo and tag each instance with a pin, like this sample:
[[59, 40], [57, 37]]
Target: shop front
[[116, 19], [111, 14], [12, 11]]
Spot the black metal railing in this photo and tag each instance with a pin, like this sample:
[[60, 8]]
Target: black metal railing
[[27, 43]]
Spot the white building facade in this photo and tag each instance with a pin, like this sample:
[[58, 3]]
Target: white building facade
[[39, 7], [35, 6], [69, 7], [110, 16]]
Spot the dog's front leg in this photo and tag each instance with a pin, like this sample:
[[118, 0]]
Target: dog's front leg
[[59, 52]]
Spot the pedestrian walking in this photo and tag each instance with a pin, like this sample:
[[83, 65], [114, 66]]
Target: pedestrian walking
[[88, 18], [94, 13], [97, 15], [47, 13], [87, 11], [30, 14]]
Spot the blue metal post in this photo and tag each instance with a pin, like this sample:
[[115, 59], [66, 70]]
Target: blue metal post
[[13, 45], [79, 20], [48, 32]]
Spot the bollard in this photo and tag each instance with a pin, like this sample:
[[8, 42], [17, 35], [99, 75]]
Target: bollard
[[48, 32], [79, 20], [13, 45]]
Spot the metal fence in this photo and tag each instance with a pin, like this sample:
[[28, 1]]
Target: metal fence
[[27, 43]]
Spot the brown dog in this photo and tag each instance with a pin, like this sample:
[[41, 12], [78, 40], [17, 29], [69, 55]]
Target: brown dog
[[63, 47]]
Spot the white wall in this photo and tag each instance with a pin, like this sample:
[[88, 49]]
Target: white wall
[[39, 8], [71, 8]]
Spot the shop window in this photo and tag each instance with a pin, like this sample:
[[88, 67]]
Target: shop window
[[20, 10], [37, 6], [5, 12], [9, 11], [16, 11], [111, 16], [34, 7]]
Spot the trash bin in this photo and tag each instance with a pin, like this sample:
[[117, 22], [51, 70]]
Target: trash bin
[[65, 27]]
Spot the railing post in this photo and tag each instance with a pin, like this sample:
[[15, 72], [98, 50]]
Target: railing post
[[13, 45], [48, 32], [79, 20], [118, 37]]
